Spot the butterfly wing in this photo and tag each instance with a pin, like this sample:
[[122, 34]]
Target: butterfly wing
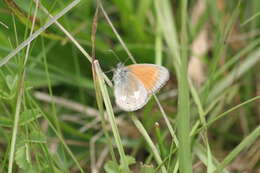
[[130, 94], [152, 76]]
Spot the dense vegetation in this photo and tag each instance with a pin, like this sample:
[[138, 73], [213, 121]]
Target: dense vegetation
[[52, 116]]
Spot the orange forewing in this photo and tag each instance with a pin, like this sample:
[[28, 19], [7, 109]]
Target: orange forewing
[[148, 75]]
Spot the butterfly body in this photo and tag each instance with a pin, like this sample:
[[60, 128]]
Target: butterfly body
[[134, 84]]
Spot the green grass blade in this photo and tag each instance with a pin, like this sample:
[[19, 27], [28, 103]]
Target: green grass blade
[[183, 118], [201, 153], [4, 60], [19, 99], [237, 72], [15, 126], [155, 152], [175, 139], [245, 143], [226, 113], [111, 116]]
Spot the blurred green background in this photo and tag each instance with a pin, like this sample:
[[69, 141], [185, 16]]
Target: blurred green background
[[59, 105]]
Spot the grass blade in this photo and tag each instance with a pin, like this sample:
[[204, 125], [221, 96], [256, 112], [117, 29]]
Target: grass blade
[[15, 127], [245, 143], [19, 99], [237, 72], [142, 130], [4, 60], [183, 118], [111, 116]]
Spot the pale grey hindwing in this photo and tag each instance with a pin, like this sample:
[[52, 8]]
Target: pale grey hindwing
[[130, 94]]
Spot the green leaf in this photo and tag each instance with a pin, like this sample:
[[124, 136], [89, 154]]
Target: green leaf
[[37, 137], [5, 122], [20, 157], [147, 169], [28, 116], [112, 167], [130, 160], [6, 96], [11, 81]]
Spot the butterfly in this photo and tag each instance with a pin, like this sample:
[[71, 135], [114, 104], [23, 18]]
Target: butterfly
[[134, 84]]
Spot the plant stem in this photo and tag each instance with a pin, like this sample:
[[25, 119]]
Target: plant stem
[[183, 118]]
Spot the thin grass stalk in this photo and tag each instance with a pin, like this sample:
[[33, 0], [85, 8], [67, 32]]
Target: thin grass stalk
[[218, 53], [67, 34], [133, 60], [206, 112], [202, 114], [225, 113], [155, 152], [4, 60], [249, 48], [97, 88], [250, 19], [165, 18], [245, 143], [172, 148], [102, 113], [198, 103], [232, 109], [201, 153], [210, 166], [158, 41], [111, 116], [60, 137], [160, 140], [81, 49], [19, 98], [116, 33], [16, 120], [26, 57], [31, 31], [176, 168], [53, 105], [245, 65], [167, 122]]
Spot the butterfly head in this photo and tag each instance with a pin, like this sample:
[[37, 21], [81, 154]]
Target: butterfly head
[[120, 74]]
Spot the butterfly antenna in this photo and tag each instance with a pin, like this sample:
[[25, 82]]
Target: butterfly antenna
[[113, 52], [112, 70], [126, 60]]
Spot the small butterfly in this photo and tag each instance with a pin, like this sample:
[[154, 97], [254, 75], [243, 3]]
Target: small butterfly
[[134, 84]]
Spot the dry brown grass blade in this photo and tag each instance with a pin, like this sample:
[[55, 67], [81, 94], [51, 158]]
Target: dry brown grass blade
[[198, 10], [67, 103], [199, 47]]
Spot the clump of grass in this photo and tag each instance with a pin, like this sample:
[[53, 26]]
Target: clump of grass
[[52, 116]]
